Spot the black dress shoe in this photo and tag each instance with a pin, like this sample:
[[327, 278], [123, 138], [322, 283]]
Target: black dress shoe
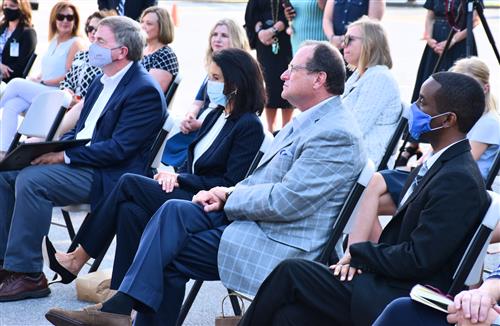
[[49, 258], [19, 286]]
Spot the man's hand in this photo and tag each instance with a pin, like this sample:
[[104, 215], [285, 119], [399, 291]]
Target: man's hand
[[343, 268], [49, 158], [167, 180], [212, 200], [472, 307]]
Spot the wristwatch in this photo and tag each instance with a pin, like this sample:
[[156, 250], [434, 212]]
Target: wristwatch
[[229, 192]]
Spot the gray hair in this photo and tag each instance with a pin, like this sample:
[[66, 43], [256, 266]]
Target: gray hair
[[128, 33]]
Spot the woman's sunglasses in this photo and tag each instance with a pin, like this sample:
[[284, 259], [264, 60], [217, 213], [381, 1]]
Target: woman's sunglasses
[[89, 29], [61, 17]]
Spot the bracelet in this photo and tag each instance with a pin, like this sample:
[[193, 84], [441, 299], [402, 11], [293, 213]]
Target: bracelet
[[275, 30]]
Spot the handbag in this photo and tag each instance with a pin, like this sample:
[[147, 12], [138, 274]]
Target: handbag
[[225, 320]]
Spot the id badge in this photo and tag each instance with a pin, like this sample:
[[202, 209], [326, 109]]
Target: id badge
[[14, 49]]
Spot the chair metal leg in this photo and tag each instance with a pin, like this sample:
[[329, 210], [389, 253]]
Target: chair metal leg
[[234, 303], [188, 302], [97, 262], [69, 224]]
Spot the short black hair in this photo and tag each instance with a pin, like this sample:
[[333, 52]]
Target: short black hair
[[462, 95], [328, 59], [243, 81]]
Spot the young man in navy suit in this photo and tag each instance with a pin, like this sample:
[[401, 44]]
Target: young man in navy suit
[[123, 111], [443, 203]]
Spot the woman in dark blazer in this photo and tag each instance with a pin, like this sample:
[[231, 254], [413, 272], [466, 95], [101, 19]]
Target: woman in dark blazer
[[17, 38], [220, 155]]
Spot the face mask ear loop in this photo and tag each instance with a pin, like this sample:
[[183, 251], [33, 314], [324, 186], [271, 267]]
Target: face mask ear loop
[[437, 116]]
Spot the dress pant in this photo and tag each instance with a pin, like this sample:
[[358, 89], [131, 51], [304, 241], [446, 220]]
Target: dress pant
[[405, 311], [300, 292], [179, 243], [125, 212], [27, 198]]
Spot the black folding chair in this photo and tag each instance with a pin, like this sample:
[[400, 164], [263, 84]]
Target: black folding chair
[[493, 172], [393, 142], [470, 268], [29, 64], [188, 301]]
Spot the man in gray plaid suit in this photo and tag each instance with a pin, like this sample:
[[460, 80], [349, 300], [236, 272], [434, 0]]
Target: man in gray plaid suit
[[284, 209]]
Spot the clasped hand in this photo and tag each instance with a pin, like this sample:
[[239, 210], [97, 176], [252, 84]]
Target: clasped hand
[[474, 307], [49, 158], [343, 268], [211, 200]]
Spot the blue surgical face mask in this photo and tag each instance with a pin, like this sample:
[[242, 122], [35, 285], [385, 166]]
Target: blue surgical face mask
[[100, 56], [215, 92], [419, 122]]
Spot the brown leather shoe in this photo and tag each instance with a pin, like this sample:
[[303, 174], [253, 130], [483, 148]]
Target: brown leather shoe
[[3, 274], [19, 286], [89, 316]]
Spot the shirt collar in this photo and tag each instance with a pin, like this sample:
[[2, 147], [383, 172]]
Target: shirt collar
[[116, 78], [434, 156], [304, 116]]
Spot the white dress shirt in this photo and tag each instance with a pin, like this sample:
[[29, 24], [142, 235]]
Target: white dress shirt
[[207, 140], [109, 86]]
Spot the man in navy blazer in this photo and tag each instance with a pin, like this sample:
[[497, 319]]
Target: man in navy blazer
[[123, 111]]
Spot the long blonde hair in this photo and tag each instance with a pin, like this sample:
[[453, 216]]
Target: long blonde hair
[[374, 44], [476, 68], [237, 37]]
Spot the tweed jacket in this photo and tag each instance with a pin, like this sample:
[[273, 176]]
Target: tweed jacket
[[287, 207]]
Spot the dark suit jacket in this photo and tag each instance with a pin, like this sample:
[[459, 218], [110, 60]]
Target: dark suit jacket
[[426, 238], [227, 160], [124, 132], [26, 37], [133, 8]]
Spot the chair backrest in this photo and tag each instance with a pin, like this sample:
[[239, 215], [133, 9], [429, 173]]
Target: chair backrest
[[470, 267], [29, 64], [393, 142], [266, 143], [43, 116], [169, 94], [159, 145], [490, 178], [346, 215]]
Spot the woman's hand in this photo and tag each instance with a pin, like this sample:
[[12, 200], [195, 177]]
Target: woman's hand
[[343, 268], [167, 180], [5, 71], [190, 123], [266, 36]]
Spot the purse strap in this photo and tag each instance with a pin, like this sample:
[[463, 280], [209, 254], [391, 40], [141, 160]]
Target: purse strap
[[240, 298]]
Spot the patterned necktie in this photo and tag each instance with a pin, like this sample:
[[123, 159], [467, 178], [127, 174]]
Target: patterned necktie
[[418, 178], [121, 7]]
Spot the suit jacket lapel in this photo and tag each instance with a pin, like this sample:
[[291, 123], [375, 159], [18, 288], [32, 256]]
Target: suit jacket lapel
[[228, 126], [311, 120], [451, 152], [118, 92]]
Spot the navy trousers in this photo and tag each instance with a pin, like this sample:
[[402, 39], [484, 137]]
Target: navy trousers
[[405, 311], [26, 201], [125, 212], [179, 243]]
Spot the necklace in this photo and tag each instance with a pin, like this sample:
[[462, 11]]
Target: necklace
[[275, 47]]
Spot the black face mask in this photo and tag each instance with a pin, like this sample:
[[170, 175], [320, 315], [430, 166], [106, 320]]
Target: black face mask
[[11, 14]]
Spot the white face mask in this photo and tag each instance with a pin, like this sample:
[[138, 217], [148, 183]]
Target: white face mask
[[215, 92], [100, 56]]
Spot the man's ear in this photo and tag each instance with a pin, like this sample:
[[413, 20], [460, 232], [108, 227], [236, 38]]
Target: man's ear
[[319, 80], [451, 120], [123, 53]]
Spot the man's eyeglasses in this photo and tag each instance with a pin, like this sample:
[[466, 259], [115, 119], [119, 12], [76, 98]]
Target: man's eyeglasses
[[349, 38], [292, 68], [89, 29], [61, 17]]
